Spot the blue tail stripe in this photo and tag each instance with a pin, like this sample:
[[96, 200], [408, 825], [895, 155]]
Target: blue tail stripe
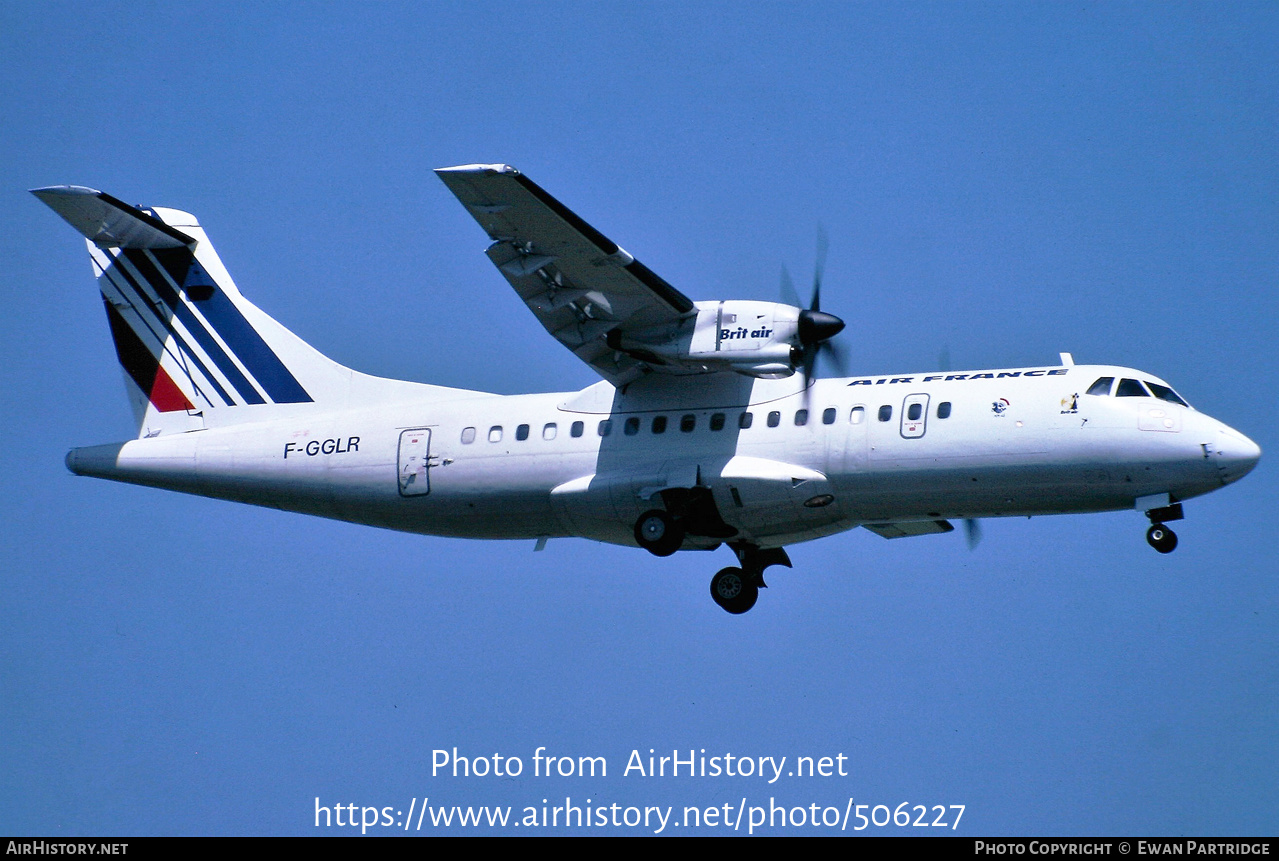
[[186, 350], [202, 336], [249, 347]]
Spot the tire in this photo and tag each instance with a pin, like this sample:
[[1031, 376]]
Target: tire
[[658, 533], [731, 590], [1162, 538]]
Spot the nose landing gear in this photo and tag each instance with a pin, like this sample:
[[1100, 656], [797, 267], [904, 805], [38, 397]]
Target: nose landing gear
[[1158, 535], [1161, 538]]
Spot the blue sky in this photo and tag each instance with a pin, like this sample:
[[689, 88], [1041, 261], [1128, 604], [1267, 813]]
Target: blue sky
[[1001, 181]]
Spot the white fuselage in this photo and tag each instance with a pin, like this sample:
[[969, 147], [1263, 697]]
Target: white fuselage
[[1013, 442]]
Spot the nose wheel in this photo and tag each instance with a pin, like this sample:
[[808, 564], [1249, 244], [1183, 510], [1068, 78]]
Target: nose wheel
[[1158, 535], [1161, 538]]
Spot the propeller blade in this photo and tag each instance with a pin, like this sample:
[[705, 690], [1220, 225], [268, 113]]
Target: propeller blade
[[972, 529], [789, 296], [835, 353], [810, 363], [815, 328], [818, 269]]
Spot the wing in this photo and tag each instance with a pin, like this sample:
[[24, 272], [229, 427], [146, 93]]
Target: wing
[[585, 290]]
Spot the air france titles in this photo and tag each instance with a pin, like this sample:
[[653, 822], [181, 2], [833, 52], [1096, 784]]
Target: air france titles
[[327, 446], [984, 375]]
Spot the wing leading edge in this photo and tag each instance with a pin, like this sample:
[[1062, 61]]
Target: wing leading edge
[[585, 289]]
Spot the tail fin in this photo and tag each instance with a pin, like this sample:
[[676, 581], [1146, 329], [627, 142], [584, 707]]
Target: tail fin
[[195, 352]]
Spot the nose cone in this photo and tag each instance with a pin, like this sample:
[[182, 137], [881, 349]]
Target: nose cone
[[1236, 455]]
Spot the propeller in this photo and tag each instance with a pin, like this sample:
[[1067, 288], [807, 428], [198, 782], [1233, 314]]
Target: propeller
[[972, 529], [816, 327], [972, 526]]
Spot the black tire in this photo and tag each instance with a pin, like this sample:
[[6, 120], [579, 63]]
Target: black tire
[[731, 590], [658, 533], [1161, 538]]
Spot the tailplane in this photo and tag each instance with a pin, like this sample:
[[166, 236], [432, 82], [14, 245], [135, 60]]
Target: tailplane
[[195, 352]]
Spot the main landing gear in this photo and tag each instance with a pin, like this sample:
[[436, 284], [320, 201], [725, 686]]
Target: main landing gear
[[658, 532], [1159, 536], [737, 589], [662, 532]]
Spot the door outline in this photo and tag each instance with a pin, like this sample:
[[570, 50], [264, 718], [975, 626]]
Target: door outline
[[914, 428], [414, 461]]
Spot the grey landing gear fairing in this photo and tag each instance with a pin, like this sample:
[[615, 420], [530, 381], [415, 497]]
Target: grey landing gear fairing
[[1158, 535]]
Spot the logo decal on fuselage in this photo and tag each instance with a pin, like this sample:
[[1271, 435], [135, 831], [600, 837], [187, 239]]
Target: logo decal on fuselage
[[985, 375]]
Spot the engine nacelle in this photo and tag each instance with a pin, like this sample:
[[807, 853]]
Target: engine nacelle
[[758, 339]]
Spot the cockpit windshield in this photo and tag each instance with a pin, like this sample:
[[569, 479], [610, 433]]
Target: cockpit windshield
[[1166, 394], [1130, 388], [1101, 387]]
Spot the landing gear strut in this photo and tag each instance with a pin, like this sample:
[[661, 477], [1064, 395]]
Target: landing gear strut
[[1159, 536], [737, 589]]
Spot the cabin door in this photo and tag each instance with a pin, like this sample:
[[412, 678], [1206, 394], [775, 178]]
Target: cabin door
[[415, 462]]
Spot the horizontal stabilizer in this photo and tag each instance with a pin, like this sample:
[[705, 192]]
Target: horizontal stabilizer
[[914, 527], [109, 222]]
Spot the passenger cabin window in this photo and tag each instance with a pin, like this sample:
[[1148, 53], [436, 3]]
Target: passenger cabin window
[[605, 428], [521, 433], [1166, 394], [548, 431], [857, 416], [774, 419], [717, 422], [468, 436], [577, 429], [1131, 389], [801, 418], [744, 420], [828, 416], [886, 413], [687, 423], [632, 426], [914, 411], [659, 424], [943, 410], [495, 433], [1101, 387]]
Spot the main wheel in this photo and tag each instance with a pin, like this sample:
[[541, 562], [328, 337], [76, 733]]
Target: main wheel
[[658, 533], [731, 590], [1162, 538]]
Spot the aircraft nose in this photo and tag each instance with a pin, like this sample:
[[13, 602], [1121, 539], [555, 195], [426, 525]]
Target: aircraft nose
[[1236, 455]]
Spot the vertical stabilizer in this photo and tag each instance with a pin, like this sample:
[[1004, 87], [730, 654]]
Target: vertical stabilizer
[[194, 351]]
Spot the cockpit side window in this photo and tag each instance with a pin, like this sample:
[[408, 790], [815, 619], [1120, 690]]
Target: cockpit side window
[[1101, 387], [1131, 389], [1166, 394]]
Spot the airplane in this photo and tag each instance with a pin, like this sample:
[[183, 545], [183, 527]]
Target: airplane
[[709, 425]]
